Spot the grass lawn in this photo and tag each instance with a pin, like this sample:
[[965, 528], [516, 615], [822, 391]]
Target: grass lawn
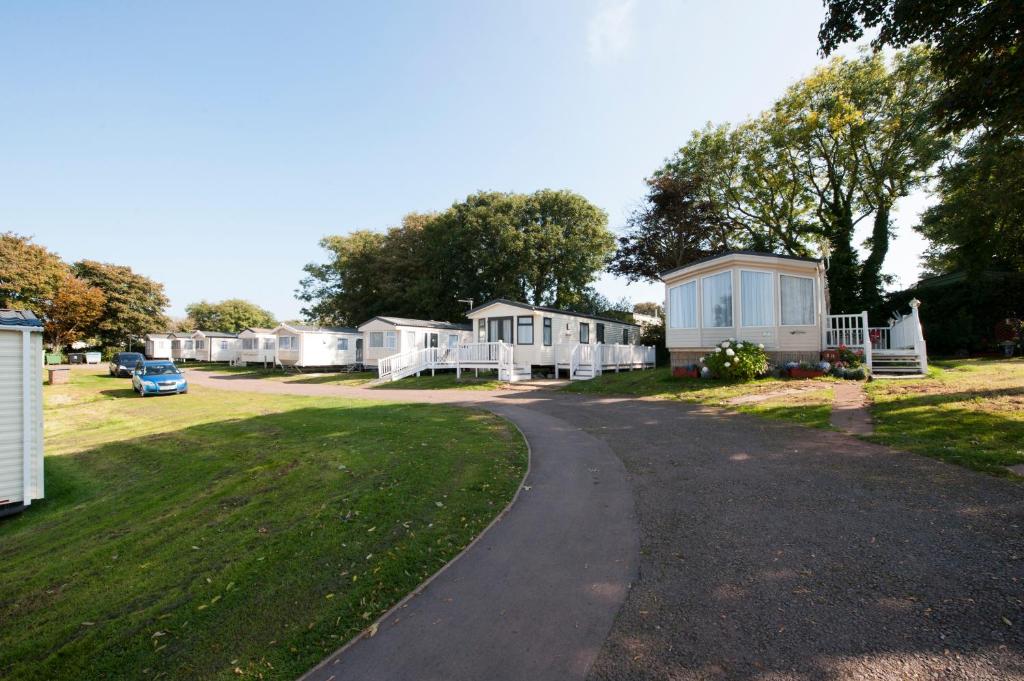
[[967, 411], [445, 381], [353, 379], [808, 402], [224, 535]]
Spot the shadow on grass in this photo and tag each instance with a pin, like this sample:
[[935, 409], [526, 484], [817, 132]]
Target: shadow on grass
[[119, 392], [218, 540]]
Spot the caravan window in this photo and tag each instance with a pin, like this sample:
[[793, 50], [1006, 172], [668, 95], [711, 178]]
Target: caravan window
[[547, 331], [453, 340], [600, 333], [756, 298], [390, 340], [584, 332], [625, 336], [376, 339], [481, 331], [224, 345], [343, 344], [268, 343], [524, 330], [200, 344], [797, 295], [682, 306], [717, 304]]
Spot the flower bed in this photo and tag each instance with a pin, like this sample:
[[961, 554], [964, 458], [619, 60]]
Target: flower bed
[[739, 361], [688, 371], [798, 372]]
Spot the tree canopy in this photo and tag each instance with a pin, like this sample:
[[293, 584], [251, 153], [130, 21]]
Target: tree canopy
[[544, 248], [134, 304], [30, 274], [228, 316], [977, 46], [72, 312]]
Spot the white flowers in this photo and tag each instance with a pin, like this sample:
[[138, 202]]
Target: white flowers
[[727, 365], [701, 360], [760, 346], [718, 349], [725, 344], [730, 352]]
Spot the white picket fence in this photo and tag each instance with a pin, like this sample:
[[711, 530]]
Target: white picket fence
[[903, 337], [497, 355]]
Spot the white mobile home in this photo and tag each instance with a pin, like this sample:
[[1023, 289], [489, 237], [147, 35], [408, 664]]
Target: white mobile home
[[257, 346], [182, 346], [300, 345], [780, 302], [215, 346], [21, 410], [560, 339], [387, 336], [158, 346]]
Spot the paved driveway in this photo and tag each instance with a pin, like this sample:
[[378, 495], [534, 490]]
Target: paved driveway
[[769, 551]]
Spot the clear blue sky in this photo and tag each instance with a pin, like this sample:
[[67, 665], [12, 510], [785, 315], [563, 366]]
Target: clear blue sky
[[210, 145]]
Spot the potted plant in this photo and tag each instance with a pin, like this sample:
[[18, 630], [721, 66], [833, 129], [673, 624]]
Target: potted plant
[[806, 370], [686, 371]]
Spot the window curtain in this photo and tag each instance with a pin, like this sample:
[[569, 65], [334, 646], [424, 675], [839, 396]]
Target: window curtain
[[756, 299], [717, 306], [797, 300], [682, 303]]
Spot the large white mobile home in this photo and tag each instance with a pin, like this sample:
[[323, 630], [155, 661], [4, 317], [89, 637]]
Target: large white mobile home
[[215, 346], [387, 336], [300, 345], [560, 339], [158, 345], [780, 302], [182, 346], [21, 410], [257, 346]]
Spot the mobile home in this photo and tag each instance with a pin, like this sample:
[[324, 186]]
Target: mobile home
[[183, 348], [215, 346], [257, 346], [780, 302], [158, 345], [21, 410], [557, 339], [386, 336], [301, 345]]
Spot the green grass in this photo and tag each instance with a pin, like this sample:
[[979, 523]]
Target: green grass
[[226, 535], [810, 407], [352, 379], [968, 411], [445, 381]]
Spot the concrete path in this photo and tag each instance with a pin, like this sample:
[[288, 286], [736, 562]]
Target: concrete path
[[535, 596], [850, 412], [768, 551]]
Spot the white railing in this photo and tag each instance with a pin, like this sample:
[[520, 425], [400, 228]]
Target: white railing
[[906, 333], [851, 330], [469, 356], [598, 357], [903, 333], [618, 355]]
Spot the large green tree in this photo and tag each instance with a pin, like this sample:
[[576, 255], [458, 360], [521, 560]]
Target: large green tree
[[677, 224], [229, 316], [30, 274], [134, 304], [545, 248], [978, 224], [977, 46], [73, 310]]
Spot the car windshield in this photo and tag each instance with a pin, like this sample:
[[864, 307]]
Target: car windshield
[[128, 358], [161, 369]]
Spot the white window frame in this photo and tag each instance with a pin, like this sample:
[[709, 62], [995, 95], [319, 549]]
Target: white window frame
[[376, 339], [268, 343], [732, 291], [390, 340], [673, 324], [771, 308], [814, 300], [342, 344], [453, 340]]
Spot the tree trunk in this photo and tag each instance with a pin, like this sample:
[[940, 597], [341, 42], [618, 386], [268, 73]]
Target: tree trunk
[[843, 263], [871, 273]]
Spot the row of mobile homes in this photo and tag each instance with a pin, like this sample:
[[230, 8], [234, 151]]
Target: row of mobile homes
[[388, 336], [215, 346], [299, 345], [780, 302], [158, 346], [21, 410]]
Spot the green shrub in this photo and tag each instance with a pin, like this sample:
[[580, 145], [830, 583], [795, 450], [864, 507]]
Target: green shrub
[[740, 361]]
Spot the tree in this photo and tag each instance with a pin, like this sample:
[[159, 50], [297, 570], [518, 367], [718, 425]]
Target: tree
[[677, 225], [978, 224], [134, 304], [229, 316], [977, 46], [650, 309], [30, 274], [74, 308], [544, 248]]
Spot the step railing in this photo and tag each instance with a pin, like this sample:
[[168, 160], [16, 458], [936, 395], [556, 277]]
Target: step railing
[[903, 333]]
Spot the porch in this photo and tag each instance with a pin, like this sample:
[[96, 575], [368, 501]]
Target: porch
[[898, 349]]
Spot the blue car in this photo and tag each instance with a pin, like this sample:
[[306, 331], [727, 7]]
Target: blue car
[[158, 377]]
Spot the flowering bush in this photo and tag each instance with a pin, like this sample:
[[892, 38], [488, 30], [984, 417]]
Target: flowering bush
[[847, 358], [741, 360]]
